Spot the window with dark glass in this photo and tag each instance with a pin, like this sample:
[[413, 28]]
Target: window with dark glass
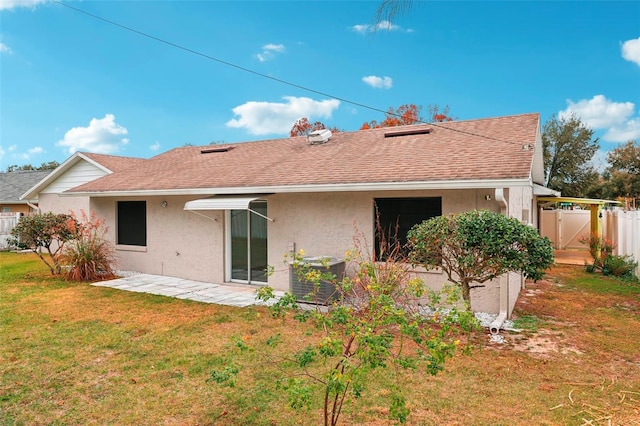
[[132, 223], [394, 217]]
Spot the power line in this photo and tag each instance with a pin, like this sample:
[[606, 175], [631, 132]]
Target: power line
[[278, 80]]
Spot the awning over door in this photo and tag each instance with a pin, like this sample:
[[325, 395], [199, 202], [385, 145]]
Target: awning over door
[[224, 203]]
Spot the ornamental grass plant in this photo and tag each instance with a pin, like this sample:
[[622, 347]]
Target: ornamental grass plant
[[88, 257]]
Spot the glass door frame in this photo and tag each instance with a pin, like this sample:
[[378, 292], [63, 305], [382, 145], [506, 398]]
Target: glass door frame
[[251, 216]]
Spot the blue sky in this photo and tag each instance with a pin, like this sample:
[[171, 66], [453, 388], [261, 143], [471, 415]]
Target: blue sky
[[70, 82]]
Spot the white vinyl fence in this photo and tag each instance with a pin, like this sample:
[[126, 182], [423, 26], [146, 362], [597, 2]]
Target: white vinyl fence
[[565, 227], [7, 222], [623, 229]]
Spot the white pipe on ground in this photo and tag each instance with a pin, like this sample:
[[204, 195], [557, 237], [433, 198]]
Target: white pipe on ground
[[494, 328]]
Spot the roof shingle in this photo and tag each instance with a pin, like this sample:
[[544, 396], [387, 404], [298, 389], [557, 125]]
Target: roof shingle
[[463, 150]]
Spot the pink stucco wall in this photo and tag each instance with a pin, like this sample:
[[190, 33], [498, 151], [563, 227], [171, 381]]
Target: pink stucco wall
[[187, 245]]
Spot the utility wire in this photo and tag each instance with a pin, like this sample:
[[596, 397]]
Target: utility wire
[[278, 80]]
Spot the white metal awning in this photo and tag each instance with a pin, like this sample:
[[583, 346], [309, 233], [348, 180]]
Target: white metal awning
[[224, 203], [540, 190]]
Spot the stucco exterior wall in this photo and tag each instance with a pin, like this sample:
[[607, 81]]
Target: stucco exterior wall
[[62, 204], [15, 208], [326, 223], [179, 243], [187, 245]]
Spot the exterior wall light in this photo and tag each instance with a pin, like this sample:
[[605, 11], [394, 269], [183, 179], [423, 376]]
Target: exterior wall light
[[163, 204]]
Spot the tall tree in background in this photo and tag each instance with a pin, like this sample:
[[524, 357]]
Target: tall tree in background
[[409, 114], [44, 166], [568, 146], [622, 178], [303, 127]]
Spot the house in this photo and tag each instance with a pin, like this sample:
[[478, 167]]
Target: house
[[224, 213], [13, 185], [76, 170]]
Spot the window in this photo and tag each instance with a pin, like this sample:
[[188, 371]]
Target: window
[[132, 223], [6, 210], [401, 214]]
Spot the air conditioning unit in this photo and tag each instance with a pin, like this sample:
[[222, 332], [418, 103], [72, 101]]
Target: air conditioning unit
[[306, 291]]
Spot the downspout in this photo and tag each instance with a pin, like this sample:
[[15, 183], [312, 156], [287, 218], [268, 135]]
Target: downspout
[[494, 328], [33, 206]]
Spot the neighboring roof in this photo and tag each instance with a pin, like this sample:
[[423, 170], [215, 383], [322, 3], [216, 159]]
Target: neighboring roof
[[14, 184], [108, 163], [466, 153]]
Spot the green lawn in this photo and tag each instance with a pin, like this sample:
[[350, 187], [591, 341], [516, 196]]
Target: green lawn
[[76, 354]]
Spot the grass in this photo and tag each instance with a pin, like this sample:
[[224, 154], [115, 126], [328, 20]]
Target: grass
[[76, 354]]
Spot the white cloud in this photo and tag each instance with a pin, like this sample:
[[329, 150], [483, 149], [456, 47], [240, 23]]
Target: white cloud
[[155, 146], [378, 82], [262, 118], [12, 4], [269, 51], [380, 26], [4, 48], [103, 136], [627, 131], [17, 155], [631, 50], [35, 150], [616, 118], [599, 112]]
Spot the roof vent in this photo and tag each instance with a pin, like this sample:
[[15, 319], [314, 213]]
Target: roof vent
[[318, 137], [527, 147], [407, 132], [216, 149]]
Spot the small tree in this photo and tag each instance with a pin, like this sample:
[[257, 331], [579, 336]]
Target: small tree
[[376, 323], [477, 246], [48, 231]]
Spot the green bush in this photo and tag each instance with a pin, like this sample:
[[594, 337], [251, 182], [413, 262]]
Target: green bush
[[620, 266]]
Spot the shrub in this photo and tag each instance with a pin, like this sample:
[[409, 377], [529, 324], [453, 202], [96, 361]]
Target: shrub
[[377, 323], [49, 231], [600, 249], [619, 266], [88, 257], [477, 246]]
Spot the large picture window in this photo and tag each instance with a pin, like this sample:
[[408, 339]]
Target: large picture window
[[397, 216], [132, 223]]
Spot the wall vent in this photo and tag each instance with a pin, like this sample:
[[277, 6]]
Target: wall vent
[[319, 136], [407, 132], [216, 149]]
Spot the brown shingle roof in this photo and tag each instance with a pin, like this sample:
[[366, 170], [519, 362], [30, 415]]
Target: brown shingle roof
[[464, 150], [113, 162]]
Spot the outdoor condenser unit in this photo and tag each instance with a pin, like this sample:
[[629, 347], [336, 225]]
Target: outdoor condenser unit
[[327, 291]]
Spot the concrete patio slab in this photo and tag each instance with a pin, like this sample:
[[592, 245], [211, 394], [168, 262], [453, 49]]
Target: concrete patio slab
[[220, 294]]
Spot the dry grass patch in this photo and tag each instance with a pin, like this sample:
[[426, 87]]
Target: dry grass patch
[[72, 353]]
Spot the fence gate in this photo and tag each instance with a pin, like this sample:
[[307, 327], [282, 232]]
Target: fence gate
[[565, 227], [7, 222]]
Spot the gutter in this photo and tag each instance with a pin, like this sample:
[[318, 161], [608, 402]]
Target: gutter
[[33, 206], [494, 328]]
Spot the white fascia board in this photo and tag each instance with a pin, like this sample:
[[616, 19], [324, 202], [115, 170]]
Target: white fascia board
[[346, 187]]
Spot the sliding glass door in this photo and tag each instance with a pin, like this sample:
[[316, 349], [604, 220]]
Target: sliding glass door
[[249, 243]]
